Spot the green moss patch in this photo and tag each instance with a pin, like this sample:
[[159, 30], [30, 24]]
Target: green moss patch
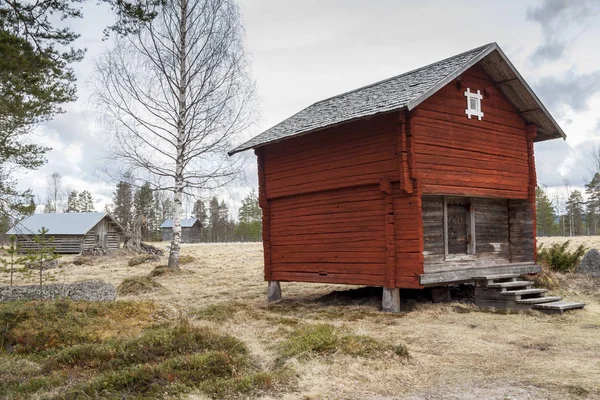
[[325, 339], [106, 358], [138, 285]]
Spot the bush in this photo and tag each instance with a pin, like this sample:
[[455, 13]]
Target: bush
[[558, 258], [138, 285], [72, 350], [41, 326], [325, 339]]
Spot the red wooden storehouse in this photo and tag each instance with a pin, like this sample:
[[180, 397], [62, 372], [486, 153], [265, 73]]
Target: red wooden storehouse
[[423, 179]]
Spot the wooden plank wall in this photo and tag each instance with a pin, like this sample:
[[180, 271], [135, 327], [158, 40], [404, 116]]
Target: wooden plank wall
[[63, 244], [467, 157], [491, 235], [352, 154], [522, 230], [334, 210]]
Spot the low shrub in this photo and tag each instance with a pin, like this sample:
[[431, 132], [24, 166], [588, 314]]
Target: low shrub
[[138, 285], [144, 258], [219, 312], [153, 344], [83, 260], [42, 326], [401, 351], [90, 350], [559, 258], [325, 339]]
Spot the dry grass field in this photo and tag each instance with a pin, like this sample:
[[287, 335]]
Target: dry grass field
[[336, 345]]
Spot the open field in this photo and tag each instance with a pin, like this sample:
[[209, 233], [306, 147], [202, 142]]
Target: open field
[[455, 350]]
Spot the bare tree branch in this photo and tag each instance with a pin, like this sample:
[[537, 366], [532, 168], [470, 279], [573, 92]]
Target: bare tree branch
[[176, 95]]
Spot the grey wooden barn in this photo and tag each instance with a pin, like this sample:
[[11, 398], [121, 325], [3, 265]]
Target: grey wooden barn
[[72, 232], [191, 230]]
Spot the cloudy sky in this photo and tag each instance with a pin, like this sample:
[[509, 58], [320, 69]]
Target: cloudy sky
[[302, 51]]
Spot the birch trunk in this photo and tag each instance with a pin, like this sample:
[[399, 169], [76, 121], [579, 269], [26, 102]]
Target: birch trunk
[[181, 131]]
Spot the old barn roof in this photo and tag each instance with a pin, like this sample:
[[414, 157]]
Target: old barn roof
[[185, 223], [411, 89], [59, 224]]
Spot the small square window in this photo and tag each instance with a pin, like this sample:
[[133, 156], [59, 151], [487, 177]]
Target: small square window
[[473, 104]]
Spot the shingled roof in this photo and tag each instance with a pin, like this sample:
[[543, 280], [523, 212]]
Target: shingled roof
[[410, 89]]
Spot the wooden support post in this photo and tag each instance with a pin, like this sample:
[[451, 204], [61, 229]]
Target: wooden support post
[[390, 301], [274, 291], [531, 134]]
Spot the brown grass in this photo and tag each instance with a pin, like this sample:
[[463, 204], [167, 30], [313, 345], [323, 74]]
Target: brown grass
[[455, 349]]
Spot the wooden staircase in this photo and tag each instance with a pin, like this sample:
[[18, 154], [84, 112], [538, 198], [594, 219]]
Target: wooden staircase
[[509, 293]]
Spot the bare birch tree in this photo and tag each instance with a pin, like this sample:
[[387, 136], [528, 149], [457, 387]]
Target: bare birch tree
[[177, 93]]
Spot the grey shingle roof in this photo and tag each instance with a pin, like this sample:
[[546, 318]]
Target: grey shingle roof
[[185, 223], [58, 224], [403, 91], [390, 94]]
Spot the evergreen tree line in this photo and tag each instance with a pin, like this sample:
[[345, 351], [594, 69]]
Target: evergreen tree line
[[216, 223], [574, 217]]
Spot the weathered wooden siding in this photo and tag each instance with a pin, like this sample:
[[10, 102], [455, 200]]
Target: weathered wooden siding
[[334, 210], [352, 154], [503, 234], [467, 157], [332, 236], [62, 244], [188, 234], [522, 230]]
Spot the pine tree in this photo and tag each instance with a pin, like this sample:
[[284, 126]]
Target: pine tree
[[249, 227], [546, 218], [143, 202], [85, 202], [199, 212], [592, 189], [575, 213], [213, 221], [223, 225], [123, 204], [72, 202]]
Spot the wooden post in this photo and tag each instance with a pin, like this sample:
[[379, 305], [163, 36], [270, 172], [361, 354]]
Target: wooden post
[[390, 301], [531, 134], [274, 291]]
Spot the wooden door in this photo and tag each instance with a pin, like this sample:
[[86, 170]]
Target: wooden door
[[458, 227]]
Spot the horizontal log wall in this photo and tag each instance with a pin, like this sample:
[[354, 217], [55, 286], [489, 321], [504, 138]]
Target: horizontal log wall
[[352, 154], [62, 244], [408, 237], [334, 236], [467, 157]]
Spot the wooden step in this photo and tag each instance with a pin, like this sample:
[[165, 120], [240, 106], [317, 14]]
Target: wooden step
[[524, 292], [515, 284], [539, 300], [495, 277], [558, 307]]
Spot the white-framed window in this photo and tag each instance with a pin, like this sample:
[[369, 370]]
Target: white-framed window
[[474, 104]]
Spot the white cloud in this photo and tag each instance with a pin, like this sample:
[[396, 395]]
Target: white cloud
[[304, 51]]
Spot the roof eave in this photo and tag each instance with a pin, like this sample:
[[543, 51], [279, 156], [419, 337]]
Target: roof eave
[[487, 51]]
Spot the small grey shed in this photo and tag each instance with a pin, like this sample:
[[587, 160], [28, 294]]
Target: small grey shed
[[72, 232], [191, 230]]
